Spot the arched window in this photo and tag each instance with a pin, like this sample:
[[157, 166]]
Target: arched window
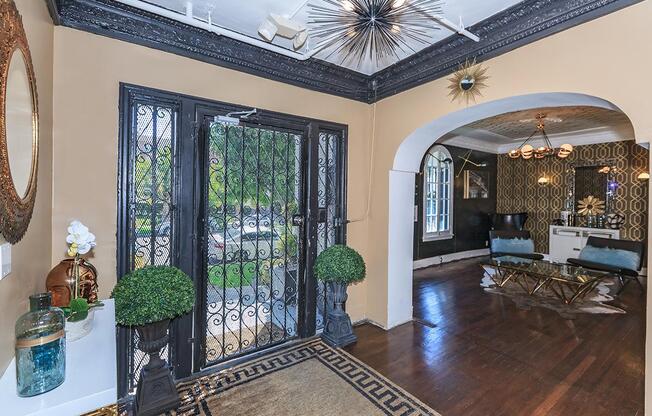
[[437, 194]]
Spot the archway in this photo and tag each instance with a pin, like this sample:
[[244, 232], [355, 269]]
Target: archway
[[407, 164]]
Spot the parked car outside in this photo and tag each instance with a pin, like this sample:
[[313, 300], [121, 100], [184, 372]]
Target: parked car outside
[[249, 242]]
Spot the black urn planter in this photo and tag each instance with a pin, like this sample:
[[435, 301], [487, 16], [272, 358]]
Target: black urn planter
[[156, 392], [338, 331]]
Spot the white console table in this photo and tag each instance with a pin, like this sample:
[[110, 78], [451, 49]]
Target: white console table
[[567, 242], [91, 375]]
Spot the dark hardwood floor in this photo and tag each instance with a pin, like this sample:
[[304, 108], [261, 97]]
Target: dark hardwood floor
[[472, 353]]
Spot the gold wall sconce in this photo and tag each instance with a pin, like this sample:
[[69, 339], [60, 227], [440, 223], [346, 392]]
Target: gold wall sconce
[[543, 180], [643, 176]]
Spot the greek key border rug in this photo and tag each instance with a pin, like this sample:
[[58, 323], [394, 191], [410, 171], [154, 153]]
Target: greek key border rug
[[308, 379]]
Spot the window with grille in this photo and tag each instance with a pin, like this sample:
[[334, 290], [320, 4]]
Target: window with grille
[[329, 194], [437, 194]]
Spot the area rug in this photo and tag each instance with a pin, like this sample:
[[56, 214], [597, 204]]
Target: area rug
[[594, 302], [309, 379]]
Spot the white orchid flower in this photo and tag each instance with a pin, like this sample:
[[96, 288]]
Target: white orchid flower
[[80, 239]]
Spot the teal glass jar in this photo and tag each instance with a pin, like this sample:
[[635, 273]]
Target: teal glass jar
[[40, 347]]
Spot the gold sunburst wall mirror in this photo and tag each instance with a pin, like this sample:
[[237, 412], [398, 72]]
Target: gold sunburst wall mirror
[[590, 206], [18, 126], [467, 82]]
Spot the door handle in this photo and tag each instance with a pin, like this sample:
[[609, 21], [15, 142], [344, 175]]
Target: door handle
[[297, 220]]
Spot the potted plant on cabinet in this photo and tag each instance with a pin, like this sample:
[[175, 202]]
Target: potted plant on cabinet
[[147, 299], [339, 266]]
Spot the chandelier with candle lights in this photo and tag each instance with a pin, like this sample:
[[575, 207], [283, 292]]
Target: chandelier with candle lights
[[527, 151]]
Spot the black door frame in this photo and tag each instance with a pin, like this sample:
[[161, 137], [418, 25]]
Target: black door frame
[[185, 330], [204, 116]]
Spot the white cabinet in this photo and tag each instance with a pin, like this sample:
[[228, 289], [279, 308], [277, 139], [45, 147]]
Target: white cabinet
[[91, 375], [567, 242]]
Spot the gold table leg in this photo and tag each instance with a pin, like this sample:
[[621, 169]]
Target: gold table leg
[[567, 292], [504, 276]]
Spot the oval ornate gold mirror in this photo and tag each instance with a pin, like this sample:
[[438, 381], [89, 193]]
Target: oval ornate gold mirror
[[18, 126]]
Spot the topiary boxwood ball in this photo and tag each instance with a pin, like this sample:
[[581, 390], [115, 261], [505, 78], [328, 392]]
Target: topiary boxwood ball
[[340, 264], [152, 294]]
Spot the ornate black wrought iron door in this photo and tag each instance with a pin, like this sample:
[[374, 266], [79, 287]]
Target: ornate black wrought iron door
[[148, 235], [242, 209], [253, 236], [330, 227]]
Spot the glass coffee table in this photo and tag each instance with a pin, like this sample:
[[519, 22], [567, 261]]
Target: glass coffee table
[[567, 282]]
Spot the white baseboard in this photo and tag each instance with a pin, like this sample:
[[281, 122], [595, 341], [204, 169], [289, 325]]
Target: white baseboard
[[446, 258], [370, 322]]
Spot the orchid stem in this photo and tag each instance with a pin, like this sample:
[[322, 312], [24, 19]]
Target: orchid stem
[[75, 271]]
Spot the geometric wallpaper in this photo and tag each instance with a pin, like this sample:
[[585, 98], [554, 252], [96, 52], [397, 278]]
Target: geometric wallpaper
[[518, 191]]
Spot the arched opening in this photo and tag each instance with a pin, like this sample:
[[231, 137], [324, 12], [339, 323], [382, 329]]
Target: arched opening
[[407, 164]]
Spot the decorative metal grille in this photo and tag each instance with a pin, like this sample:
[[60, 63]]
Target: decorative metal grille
[[237, 237], [151, 201], [329, 208], [253, 189]]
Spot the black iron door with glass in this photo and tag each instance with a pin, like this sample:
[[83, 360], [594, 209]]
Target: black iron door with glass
[[253, 211], [243, 207]]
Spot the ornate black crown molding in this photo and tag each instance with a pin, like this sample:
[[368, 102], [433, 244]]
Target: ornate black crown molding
[[119, 21], [519, 25], [524, 23]]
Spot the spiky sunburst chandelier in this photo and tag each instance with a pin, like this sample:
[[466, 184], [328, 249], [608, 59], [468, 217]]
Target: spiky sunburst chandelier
[[358, 30]]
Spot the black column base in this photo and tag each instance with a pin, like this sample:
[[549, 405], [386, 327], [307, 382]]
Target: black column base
[[156, 392], [338, 331]]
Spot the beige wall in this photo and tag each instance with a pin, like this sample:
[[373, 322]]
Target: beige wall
[[601, 58], [605, 58], [88, 69], [87, 73], [31, 256]]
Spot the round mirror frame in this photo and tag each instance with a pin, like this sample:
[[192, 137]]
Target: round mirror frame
[[15, 210]]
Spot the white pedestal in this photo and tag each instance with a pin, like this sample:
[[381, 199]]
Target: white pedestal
[[91, 375]]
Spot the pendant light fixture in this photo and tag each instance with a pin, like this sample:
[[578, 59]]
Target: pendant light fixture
[[376, 30], [527, 151]]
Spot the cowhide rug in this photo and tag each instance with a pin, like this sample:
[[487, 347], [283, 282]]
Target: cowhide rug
[[594, 302]]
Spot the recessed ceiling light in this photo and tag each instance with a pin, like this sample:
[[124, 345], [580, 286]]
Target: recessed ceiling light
[[347, 5], [398, 3]]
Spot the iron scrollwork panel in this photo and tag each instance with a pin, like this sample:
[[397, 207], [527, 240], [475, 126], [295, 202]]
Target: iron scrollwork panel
[[330, 218], [151, 173], [253, 190]]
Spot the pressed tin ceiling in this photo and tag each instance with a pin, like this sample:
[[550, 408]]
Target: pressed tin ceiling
[[573, 124], [501, 25], [559, 120]]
